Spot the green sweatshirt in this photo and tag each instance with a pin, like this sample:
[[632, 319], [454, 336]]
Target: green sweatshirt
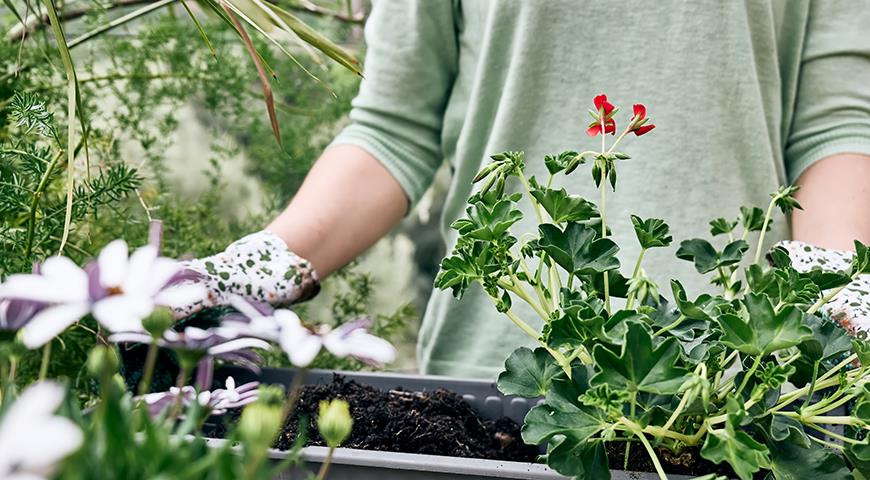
[[745, 95]]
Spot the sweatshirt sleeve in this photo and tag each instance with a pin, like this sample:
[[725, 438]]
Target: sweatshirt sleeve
[[410, 65], [832, 109]]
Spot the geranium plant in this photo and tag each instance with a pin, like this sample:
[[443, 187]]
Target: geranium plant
[[746, 376]]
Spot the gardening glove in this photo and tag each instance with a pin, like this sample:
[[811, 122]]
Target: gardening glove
[[258, 267], [850, 308]]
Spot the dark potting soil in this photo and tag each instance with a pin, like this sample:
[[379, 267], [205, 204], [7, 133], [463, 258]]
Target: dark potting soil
[[439, 422]]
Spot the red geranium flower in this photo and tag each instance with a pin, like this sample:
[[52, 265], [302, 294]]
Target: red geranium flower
[[639, 123], [605, 110]]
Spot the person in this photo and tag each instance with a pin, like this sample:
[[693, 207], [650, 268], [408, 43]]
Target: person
[[746, 95]]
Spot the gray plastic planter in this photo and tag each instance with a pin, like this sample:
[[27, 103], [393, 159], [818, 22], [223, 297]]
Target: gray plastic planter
[[353, 464]]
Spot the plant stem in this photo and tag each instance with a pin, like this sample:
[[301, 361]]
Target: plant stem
[[764, 228], [293, 392], [13, 367], [324, 467], [834, 435], [632, 410], [528, 190], [749, 374], [630, 302], [179, 384], [812, 385], [46, 358], [604, 233], [34, 203], [827, 298], [516, 288], [557, 355], [677, 411], [638, 432], [150, 362], [667, 328]]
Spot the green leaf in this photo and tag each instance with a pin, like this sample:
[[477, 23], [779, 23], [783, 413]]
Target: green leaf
[[606, 399], [543, 422], [640, 366], [828, 339], [563, 207], [580, 460], [730, 444], [779, 428], [577, 250], [752, 219], [861, 260], [706, 258], [528, 374], [692, 310], [565, 392], [576, 327], [562, 161], [651, 232], [784, 199], [794, 462], [764, 331], [722, 226], [488, 222]]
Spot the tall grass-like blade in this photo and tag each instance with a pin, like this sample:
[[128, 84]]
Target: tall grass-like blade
[[269, 37], [199, 28], [117, 22], [73, 102], [318, 41], [264, 79]]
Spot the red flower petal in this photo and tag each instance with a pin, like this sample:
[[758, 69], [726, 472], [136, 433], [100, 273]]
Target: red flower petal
[[599, 101], [643, 129], [610, 127], [639, 111], [593, 130]]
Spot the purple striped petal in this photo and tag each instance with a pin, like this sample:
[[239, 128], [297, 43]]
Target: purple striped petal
[[184, 275], [95, 289]]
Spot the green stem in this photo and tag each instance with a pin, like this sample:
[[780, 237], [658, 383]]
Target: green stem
[[749, 374], [667, 328], [632, 409], [677, 411], [834, 435], [557, 355], [34, 203], [827, 298], [812, 385], [150, 362], [324, 467], [519, 291], [604, 232], [764, 228], [13, 367], [293, 393], [630, 302], [541, 298], [528, 190], [179, 383], [46, 359], [638, 432]]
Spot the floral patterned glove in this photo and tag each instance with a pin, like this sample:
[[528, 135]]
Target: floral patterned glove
[[258, 267], [850, 308]]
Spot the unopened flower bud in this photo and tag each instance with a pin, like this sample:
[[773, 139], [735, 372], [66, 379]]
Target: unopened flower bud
[[261, 421], [334, 422], [158, 322], [102, 362]]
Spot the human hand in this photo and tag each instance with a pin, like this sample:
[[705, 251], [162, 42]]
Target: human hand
[[258, 267]]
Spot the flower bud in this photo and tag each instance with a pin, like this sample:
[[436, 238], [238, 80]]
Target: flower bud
[[102, 362], [334, 422], [159, 321], [261, 421]]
